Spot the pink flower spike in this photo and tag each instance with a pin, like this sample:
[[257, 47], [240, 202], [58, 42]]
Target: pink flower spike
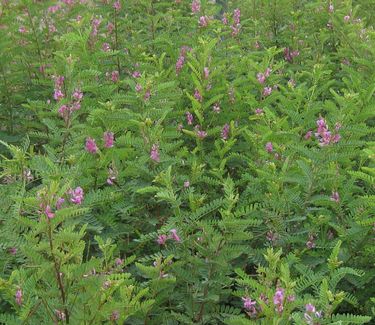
[[261, 78], [154, 153], [206, 72], [197, 95], [77, 94], [58, 95], [203, 21], [108, 139], [48, 212], [106, 47], [162, 239], [115, 76], [310, 308], [19, 297], [91, 146], [119, 261], [269, 147], [267, 91], [308, 135], [189, 118], [59, 203], [335, 197], [216, 108], [225, 132], [76, 195], [174, 235], [195, 6], [117, 5]]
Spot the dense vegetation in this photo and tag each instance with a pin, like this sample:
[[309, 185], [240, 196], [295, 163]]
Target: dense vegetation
[[187, 162]]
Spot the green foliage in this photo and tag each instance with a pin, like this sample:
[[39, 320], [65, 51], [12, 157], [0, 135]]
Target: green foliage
[[215, 189]]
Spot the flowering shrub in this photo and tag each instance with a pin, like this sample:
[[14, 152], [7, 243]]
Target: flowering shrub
[[187, 162]]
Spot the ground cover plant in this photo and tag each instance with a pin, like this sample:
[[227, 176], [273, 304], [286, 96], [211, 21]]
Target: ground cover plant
[[187, 162]]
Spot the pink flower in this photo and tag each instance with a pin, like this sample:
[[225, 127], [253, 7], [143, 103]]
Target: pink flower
[[19, 297], [189, 118], [180, 63], [225, 132], [108, 139], [174, 235], [117, 5], [308, 135], [311, 242], [206, 72], [346, 18], [112, 175], [267, 91], [330, 8], [136, 74], [224, 20], [110, 27], [147, 95], [290, 55], [162, 239], [203, 21], [272, 236], [249, 305], [197, 95], [261, 78], [91, 146], [52, 28], [60, 315], [310, 308], [324, 136], [186, 184], [335, 197], [22, 29], [291, 298], [269, 147], [59, 203], [58, 95], [291, 83], [106, 47], [77, 94], [278, 299], [119, 261], [94, 26], [267, 72], [115, 76], [138, 88], [195, 6], [236, 16], [48, 212], [201, 134], [12, 250], [216, 108], [76, 195], [259, 111], [154, 153], [235, 30], [54, 9], [115, 315]]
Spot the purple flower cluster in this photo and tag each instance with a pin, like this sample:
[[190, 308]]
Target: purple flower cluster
[[162, 239], [154, 153], [323, 134], [289, 55]]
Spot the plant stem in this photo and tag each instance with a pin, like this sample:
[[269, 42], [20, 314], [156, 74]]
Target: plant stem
[[57, 272]]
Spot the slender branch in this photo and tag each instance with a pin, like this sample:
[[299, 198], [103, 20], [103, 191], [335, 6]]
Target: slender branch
[[57, 273]]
